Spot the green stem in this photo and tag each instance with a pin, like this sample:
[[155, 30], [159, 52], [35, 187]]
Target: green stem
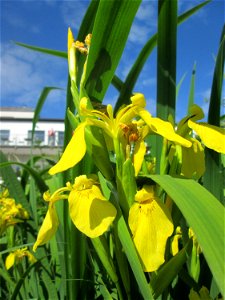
[[119, 173], [103, 252]]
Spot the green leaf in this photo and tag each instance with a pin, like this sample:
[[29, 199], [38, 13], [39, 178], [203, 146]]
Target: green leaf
[[20, 282], [39, 106], [85, 28], [204, 214], [127, 87], [191, 98], [108, 41], [166, 58], [130, 251], [101, 247], [38, 179], [179, 84], [169, 271], [12, 183], [214, 176], [50, 286], [166, 65], [43, 50], [128, 181]]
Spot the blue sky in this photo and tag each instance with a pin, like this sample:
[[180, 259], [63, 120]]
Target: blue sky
[[44, 23]]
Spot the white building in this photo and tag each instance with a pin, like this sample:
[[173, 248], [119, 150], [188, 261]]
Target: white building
[[16, 133]]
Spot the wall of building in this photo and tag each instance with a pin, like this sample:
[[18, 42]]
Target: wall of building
[[18, 132]]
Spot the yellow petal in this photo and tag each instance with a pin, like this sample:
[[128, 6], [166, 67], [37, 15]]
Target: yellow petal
[[193, 160], [71, 55], [196, 113], [138, 99], [31, 257], [175, 241], [10, 260], [70, 39], [212, 136], [139, 153], [48, 227], [91, 213], [174, 245], [74, 151], [151, 226], [145, 194], [164, 129]]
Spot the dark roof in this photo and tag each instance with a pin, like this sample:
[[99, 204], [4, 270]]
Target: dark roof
[[15, 108], [30, 119]]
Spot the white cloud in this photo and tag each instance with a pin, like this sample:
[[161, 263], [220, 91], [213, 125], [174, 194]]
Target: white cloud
[[147, 12], [73, 12], [145, 23], [205, 95], [24, 73], [139, 33], [149, 82]]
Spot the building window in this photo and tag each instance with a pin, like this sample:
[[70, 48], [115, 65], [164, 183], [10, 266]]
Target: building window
[[51, 137], [39, 137], [4, 136], [60, 140]]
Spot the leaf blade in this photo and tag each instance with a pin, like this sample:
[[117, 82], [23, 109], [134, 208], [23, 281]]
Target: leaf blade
[[204, 213]]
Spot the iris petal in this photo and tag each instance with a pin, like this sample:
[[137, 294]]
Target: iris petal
[[74, 151], [212, 136], [151, 226], [163, 128], [91, 213], [193, 160], [10, 260], [48, 228], [139, 153]]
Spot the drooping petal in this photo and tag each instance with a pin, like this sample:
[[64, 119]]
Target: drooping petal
[[193, 160], [90, 212], [74, 151], [139, 153], [196, 113], [48, 227], [10, 260], [212, 136], [151, 226], [163, 128]]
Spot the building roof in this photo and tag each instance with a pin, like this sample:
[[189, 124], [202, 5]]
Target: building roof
[[23, 113], [15, 108]]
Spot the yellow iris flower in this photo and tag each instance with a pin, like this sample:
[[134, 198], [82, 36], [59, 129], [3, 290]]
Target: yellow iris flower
[[16, 256], [151, 225], [213, 137], [113, 127], [89, 210], [10, 212]]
